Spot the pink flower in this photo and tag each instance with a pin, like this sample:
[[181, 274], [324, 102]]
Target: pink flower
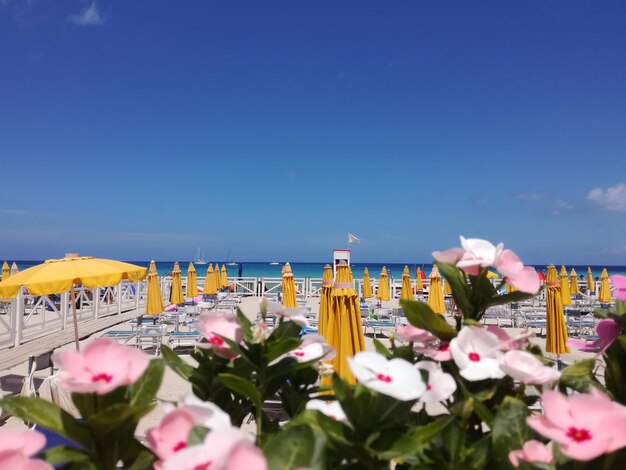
[[440, 386], [101, 367], [476, 352], [478, 253], [532, 451], [413, 334], [619, 282], [296, 315], [396, 377], [17, 448], [506, 342], [312, 347], [332, 409], [608, 331], [523, 278], [526, 368], [228, 449], [450, 256], [215, 327], [585, 425], [424, 342]]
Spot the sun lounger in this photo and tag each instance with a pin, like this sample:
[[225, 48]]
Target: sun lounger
[[121, 336], [184, 338], [377, 325]]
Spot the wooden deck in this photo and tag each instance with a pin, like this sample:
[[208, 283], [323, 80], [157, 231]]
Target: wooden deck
[[12, 357]]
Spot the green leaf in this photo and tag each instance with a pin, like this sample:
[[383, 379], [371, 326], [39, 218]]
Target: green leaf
[[85, 402], [293, 448], [381, 349], [175, 362], [275, 349], [483, 412], [578, 376], [243, 387], [422, 316], [460, 289], [424, 434], [509, 431], [144, 460], [49, 416], [143, 391], [110, 418], [64, 454], [197, 435], [246, 325], [336, 431]]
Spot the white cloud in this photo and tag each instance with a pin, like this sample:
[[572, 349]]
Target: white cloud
[[612, 199], [560, 205], [87, 16], [530, 197]]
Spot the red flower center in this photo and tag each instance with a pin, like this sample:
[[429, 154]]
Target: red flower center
[[444, 346], [384, 378], [578, 435], [216, 341], [203, 466], [179, 446], [474, 357], [298, 353], [102, 377], [429, 387]]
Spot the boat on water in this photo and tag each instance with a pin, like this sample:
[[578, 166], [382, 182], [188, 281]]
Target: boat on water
[[230, 263], [274, 263], [200, 259]]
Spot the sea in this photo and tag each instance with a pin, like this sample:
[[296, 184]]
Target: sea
[[315, 270]]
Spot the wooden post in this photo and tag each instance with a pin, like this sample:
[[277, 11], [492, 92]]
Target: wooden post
[[73, 301]]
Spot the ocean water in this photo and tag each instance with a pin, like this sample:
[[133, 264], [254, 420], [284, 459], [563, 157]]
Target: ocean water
[[315, 270]]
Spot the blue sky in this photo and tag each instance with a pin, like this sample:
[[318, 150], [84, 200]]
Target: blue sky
[[147, 129]]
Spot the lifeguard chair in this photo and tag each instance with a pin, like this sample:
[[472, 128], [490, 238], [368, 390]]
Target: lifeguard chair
[[338, 256]]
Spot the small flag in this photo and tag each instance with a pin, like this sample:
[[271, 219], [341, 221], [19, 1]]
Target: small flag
[[353, 239]]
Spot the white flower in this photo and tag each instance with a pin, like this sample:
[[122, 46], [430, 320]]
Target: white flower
[[476, 352], [440, 385], [526, 368], [205, 413], [479, 252], [260, 333], [297, 315], [332, 409], [397, 378], [313, 346]]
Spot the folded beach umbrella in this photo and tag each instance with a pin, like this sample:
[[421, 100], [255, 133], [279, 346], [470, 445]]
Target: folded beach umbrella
[[192, 284], [346, 317], [289, 288], [591, 285], [435, 292], [209, 282], [6, 271], [447, 290], [556, 332], [56, 276], [604, 295], [419, 280], [510, 288], [154, 301], [383, 286], [14, 269], [327, 287], [224, 277], [573, 282], [367, 285], [218, 277], [176, 294], [566, 295], [407, 288]]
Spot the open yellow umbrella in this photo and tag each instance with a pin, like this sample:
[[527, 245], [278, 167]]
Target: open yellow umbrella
[[218, 277], [556, 331], [192, 284], [209, 282], [289, 288], [224, 277], [327, 287], [591, 285], [435, 292], [419, 283], [566, 296], [6, 271], [407, 289], [367, 285], [55, 276], [345, 318], [573, 282], [383, 286], [176, 294], [154, 301], [604, 295]]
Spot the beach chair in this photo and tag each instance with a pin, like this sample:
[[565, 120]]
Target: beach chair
[[184, 338], [151, 336], [120, 336]]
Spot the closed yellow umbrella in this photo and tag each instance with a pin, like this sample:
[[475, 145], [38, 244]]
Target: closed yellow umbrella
[[14, 269], [367, 285], [419, 282], [6, 271], [604, 295], [591, 285], [407, 289], [209, 282], [154, 301], [573, 282], [224, 277], [383, 286], [566, 296], [55, 276], [176, 294], [327, 287], [556, 332], [492, 275], [510, 288], [345, 318], [289, 288], [447, 290], [218, 277], [192, 284], [435, 292]]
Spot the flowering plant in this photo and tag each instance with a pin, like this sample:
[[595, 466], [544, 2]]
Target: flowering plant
[[463, 396]]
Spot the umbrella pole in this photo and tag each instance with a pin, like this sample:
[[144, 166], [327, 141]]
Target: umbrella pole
[[73, 301]]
